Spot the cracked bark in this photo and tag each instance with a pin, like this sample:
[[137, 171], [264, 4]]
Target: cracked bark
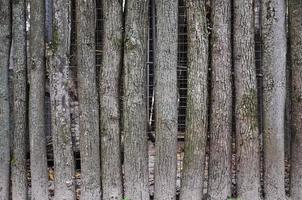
[[134, 101], [295, 30], [274, 94], [221, 102], [58, 52], [88, 100], [246, 109], [38, 161], [166, 100], [5, 41], [110, 100], [18, 165], [197, 102]]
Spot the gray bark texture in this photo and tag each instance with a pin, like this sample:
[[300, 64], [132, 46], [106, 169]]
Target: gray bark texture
[[295, 30], [5, 41], [246, 109], [274, 94], [197, 102], [38, 161], [58, 52], [221, 101], [88, 100], [166, 99], [110, 100], [134, 101], [18, 164]]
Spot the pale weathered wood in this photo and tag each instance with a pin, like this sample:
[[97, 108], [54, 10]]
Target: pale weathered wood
[[197, 102], [18, 164], [38, 162], [274, 94], [221, 101], [166, 99], [58, 54], [88, 100], [109, 77], [246, 101], [134, 101], [5, 42]]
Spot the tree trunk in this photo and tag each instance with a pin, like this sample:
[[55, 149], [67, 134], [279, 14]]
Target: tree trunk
[[221, 101], [59, 49], [246, 109], [197, 102], [166, 99], [38, 162], [5, 35], [295, 30], [109, 100], [274, 93], [88, 100], [134, 101], [19, 174]]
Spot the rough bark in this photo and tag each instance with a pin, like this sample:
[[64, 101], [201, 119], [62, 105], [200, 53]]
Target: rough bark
[[109, 100], [38, 161], [274, 73], [221, 101], [58, 52], [166, 99], [246, 109], [18, 164], [88, 100], [134, 101], [295, 30], [5, 41], [197, 102]]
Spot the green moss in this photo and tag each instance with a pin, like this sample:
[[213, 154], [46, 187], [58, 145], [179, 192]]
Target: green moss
[[13, 160], [118, 42], [64, 135], [129, 44], [297, 98], [55, 40], [248, 106], [189, 151], [214, 38]]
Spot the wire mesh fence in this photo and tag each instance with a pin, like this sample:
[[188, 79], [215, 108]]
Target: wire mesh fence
[[181, 81]]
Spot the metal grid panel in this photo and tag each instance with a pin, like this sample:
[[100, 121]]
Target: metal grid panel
[[181, 69], [98, 34]]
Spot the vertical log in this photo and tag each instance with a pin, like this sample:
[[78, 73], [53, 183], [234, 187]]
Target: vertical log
[[18, 164], [246, 109], [166, 99], [58, 52], [88, 100], [274, 94], [5, 41], [221, 101], [197, 102], [38, 162], [295, 31], [109, 100], [134, 101]]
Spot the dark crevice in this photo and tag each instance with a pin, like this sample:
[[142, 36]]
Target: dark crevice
[[258, 61], [209, 25], [233, 139]]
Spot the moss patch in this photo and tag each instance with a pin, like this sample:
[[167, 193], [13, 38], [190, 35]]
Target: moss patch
[[248, 105], [55, 40]]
